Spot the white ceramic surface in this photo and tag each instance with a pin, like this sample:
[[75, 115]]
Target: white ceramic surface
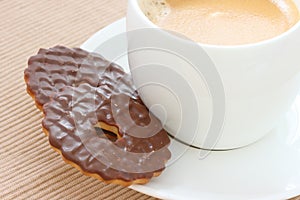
[[268, 169], [260, 82]]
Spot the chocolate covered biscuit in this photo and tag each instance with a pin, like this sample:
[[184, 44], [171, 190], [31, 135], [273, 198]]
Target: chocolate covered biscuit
[[83, 94]]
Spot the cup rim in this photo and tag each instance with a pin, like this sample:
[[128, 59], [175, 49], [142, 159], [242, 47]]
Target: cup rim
[[136, 6]]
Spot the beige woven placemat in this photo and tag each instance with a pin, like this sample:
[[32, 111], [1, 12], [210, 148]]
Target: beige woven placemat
[[29, 168]]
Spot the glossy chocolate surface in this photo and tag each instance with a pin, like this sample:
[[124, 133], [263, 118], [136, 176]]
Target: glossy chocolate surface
[[52, 69], [81, 91]]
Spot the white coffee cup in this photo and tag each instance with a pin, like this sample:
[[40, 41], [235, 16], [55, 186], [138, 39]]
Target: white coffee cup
[[210, 96]]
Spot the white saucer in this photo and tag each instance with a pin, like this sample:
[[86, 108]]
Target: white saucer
[[268, 169]]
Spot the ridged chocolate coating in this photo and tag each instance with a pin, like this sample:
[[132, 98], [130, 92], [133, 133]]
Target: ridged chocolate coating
[[70, 119], [78, 97], [52, 69]]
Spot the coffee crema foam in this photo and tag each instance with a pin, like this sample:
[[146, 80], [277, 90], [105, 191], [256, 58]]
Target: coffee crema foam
[[223, 22]]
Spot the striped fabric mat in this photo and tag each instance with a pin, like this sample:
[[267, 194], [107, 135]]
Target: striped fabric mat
[[29, 168]]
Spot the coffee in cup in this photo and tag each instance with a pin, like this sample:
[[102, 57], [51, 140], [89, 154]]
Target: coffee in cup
[[224, 22], [216, 93]]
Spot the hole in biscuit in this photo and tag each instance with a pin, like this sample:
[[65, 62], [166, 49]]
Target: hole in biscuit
[[106, 134]]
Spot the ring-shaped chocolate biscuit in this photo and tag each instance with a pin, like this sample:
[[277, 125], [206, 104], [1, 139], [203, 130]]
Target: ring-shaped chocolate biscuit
[[78, 102]]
